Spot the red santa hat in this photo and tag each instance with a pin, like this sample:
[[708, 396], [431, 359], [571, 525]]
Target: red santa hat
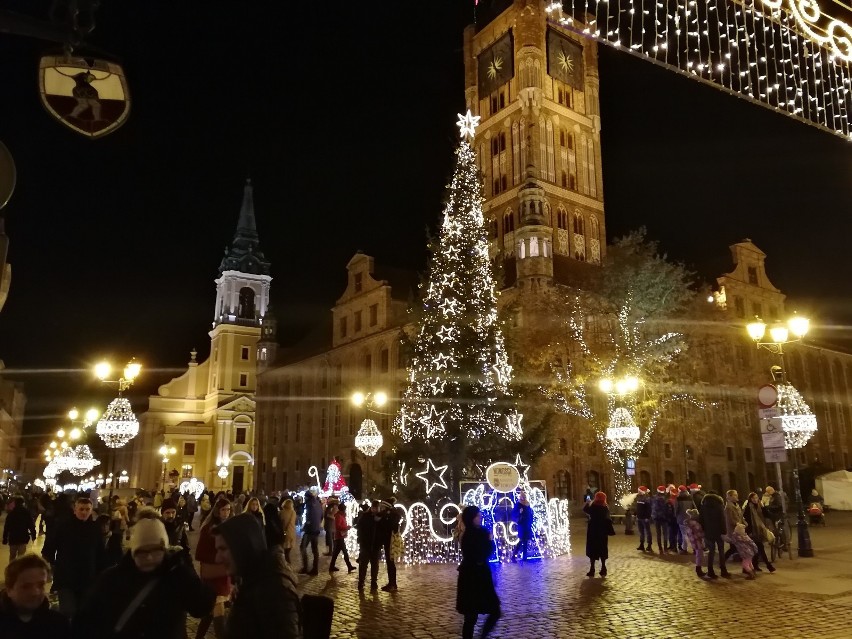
[[643, 490], [661, 489], [695, 487], [681, 488]]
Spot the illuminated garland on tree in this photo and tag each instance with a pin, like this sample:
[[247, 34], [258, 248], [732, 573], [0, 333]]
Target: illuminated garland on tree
[[459, 376]]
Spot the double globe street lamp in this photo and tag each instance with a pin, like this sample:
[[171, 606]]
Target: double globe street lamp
[[795, 418], [166, 452]]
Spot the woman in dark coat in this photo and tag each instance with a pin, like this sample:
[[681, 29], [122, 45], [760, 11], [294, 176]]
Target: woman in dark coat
[[598, 532], [476, 595]]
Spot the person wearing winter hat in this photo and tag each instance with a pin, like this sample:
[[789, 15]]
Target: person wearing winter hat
[[642, 504], [149, 592], [598, 532], [265, 582], [697, 495], [176, 530], [658, 515], [683, 502]]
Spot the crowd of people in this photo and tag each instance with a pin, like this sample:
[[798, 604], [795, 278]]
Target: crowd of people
[[686, 520]]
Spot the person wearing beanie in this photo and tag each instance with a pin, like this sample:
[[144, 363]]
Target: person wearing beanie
[[385, 529], [598, 532], [659, 517], [642, 504], [148, 594], [266, 604]]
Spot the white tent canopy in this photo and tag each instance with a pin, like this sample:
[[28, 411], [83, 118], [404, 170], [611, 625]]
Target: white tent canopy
[[836, 489]]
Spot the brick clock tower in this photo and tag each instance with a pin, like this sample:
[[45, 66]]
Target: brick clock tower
[[535, 85]]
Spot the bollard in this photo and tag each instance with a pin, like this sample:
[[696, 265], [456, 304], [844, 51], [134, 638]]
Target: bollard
[[628, 522]]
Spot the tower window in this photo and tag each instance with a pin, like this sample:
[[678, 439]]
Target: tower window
[[323, 422], [286, 433], [752, 275], [337, 420], [357, 323], [297, 435], [189, 449], [244, 353], [240, 437], [263, 354], [495, 230], [564, 95], [243, 379], [374, 314], [739, 306], [384, 358], [246, 307], [564, 180], [508, 222], [358, 282], [562, 219], [342, 327]]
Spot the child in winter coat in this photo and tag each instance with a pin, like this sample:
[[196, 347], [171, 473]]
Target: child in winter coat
[[695, 537], [341, 529], [746, 548]]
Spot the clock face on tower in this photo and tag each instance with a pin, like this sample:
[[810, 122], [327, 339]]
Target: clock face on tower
[[564, 59], [496, 65]]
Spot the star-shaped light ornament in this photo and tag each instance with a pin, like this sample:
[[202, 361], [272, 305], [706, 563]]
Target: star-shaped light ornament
[[451, 226], [566, 62], [448, 306], [446, 333], [522, 468], [467, 124], [433, 476], [448, 279], [494, 67], [433, 422], [441, 360]]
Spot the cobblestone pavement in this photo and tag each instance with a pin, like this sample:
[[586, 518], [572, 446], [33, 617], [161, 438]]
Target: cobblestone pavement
[[642, 596]]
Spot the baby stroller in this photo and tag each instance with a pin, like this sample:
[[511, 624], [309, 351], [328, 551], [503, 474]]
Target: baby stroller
[[816, 514]]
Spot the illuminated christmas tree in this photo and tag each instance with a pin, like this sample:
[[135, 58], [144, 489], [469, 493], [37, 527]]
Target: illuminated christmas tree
[[457, 411]]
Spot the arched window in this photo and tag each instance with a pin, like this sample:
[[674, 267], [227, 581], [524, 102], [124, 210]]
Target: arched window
[[246, 307], [669, 475], [579, 223], [716, 483], [516, 151], [579, 244], [644, 478], [690, 478], [563, 484], [563, 446], [593, 480], [508, 221]]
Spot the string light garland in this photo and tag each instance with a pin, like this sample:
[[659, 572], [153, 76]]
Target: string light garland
[[787, 55]]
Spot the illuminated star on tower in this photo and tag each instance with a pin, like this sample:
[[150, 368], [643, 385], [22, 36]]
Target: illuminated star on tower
[[467, 124]]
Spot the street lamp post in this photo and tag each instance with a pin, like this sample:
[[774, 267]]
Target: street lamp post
[[165, 453], [118, 424], [796, 420]]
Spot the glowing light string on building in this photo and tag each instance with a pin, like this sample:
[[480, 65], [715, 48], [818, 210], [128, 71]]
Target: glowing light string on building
[[787, 55]]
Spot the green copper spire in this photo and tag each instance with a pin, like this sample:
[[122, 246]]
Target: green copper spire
[[244, 254]]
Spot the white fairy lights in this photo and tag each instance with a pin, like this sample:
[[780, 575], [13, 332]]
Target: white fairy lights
[[118, 424], [787, 55], [433, 476], [369, 439], [797, 420]]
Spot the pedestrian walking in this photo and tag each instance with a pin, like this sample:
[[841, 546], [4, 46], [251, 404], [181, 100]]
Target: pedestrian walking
[[24, 609], [387, 527], [598, 532], [288, 527], [76, 557], [328, 522], [475, 594], [254, 509], [712, 519], [204, 507], [148, 594], [369, 546], [311, 530], [733, 516], [213, 574], [745, 547], [753, 515], [659, 515], [266, 604], [112, 544], [683, 502], [175, 529], [695, 536], [239, 504], [19, 528], [522, 515], [341, 530], [642, 504], [671, 518], [273, 530]]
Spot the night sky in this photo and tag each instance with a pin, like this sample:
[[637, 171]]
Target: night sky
[[344, 117]]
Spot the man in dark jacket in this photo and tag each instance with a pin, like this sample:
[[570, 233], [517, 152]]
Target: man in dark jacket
[[389, 525], [369, 545], [658, 515], [19, 529], [683, 502], [522, 515], [712, 519], [643, 519], [148, 594], [272, 516], [266, 605], [24, 610], [76, 556], [175, 529], [311, 531]]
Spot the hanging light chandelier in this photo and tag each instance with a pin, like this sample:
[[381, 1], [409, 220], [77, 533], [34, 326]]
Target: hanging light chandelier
[[82, 462], [622, 431], [118, 424], [797, 420], [369, 439]]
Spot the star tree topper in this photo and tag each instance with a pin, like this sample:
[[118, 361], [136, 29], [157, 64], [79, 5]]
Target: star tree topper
[[467, 124]]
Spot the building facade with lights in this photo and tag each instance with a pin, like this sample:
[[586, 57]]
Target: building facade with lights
[[13, 402], [208, 413], [305, 413]]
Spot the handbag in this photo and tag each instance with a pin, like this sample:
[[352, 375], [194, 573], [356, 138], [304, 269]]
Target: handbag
[[770, 536], [610, 528], [397, 546]]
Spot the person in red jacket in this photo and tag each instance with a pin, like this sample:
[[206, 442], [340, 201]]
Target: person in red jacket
[[341, 529]]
